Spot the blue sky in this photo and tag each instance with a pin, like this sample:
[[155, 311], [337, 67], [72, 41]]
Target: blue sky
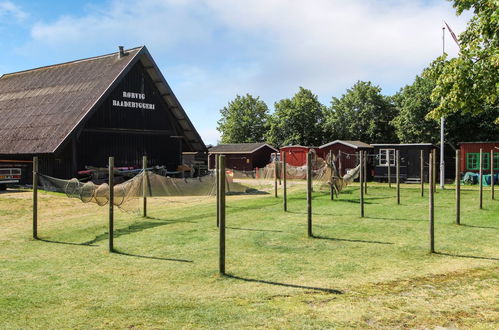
[[211, 50]]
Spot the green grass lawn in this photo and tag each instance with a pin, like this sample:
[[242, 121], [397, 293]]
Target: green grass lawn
[[374, 271]]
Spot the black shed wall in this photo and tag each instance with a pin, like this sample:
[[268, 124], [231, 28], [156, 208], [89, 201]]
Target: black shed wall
[[410, 166]]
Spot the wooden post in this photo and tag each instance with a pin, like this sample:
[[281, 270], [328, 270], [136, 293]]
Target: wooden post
[[217, 180], [275, 175], [340, 166], [397, 174], [431, 203], [279, 169], [309, 193], [434, 173], [480, 178], [364, 164], [361, 182], [421, 172], [221, 213], [144, 185], [492, 174], [331, 187], [389, 169], [111, 204], [458, 187], [35, 197], [284, 181]]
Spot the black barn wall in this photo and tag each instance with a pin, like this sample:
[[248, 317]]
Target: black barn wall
[[129, 133]]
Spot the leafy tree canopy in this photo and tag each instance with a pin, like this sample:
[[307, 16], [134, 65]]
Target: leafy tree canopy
[[362, 113], [243, 120], [413, 103], [412, 125], [297, 120], [470, 82]]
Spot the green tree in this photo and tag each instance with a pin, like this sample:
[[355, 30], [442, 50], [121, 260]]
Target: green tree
[[412, 124], [362, 113], [470, 82], [243, 120], [297, 120], [465, 127], [413, 103]]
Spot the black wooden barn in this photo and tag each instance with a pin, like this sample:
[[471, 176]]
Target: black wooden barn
[[77, 114], [410, 161]]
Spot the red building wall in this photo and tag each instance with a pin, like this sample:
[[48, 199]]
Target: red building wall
[[296, 155], [348, 158], [474, 147]]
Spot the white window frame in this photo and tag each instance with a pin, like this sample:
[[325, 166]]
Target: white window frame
[[384, 155]]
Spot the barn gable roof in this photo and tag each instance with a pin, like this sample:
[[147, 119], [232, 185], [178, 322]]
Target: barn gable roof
[[41, 108], [352, 144], [239, 148], [296, 146], [402, 144]]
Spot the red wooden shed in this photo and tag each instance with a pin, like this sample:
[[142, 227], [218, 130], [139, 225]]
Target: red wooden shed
[[345, 153], [470, 155], [296, 155]]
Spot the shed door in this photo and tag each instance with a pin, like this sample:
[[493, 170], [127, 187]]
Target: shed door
[[413, 163]]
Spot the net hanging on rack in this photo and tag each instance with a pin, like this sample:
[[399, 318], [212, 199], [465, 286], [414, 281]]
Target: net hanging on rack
[[327, 175], [148, 184]]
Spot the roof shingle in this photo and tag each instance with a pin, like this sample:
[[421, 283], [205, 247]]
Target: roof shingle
[[40, 107], [242, 148]]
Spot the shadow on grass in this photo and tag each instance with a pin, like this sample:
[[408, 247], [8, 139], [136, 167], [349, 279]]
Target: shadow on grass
[[257, 206], [319, 194], [318, 213], [138, 227], [158, 222], [187, 219], [465, 256], [394, 219], [367, 200], [334, 291], [473, 226], [252, 229], [66, 243], [150, 257], [246, 193], [349, 240]]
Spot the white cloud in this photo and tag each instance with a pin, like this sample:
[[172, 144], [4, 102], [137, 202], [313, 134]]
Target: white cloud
[[8, 9], [326, 42], [211, 50], [154, 22]]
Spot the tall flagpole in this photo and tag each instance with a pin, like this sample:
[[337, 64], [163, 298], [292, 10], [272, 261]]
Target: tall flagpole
[[442, 127]]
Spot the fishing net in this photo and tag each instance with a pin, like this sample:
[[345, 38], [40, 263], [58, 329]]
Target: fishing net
[[144, 184], [325, 175], [261, 179], [151, 184]]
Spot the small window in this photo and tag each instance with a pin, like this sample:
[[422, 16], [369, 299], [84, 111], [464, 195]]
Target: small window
[[496, 161], [472, 160], [385, 156], [485, 161]]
